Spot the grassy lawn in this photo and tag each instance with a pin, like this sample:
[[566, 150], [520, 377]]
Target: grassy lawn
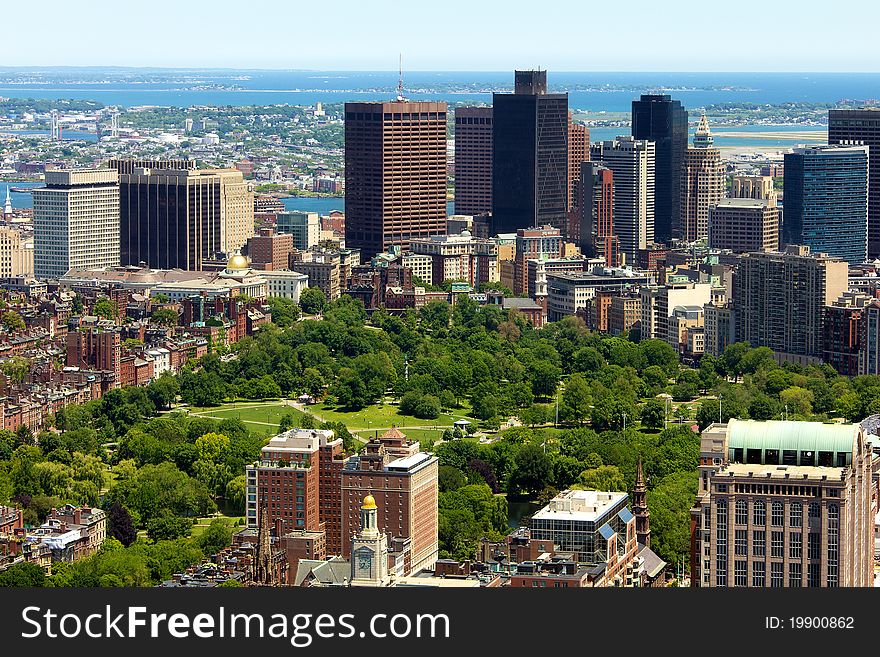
[[263, 417], [383, 416], [260, 417], [203, 523]]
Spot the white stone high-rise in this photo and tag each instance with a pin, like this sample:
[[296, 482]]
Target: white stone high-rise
[[76, 222], [633, 163]]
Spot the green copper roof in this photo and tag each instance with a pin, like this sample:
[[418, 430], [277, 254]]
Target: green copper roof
[[791, 435]]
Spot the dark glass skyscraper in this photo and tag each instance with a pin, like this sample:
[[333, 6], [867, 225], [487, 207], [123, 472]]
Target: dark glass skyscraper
[[860, 126], [529, 156], [826, 200], [658, 118]]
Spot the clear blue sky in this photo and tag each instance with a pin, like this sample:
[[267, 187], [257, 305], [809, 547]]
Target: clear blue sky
[[562, 35]]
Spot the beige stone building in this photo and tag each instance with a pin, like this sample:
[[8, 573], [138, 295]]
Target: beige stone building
[[702, 184], [753, 187], [744, 224], [785, 504], [237, 211], [16, 253]]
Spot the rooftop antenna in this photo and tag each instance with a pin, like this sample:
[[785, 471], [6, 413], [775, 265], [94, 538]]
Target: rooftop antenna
[[400, 97]]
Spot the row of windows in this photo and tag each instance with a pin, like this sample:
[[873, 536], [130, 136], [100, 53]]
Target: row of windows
[[777, 574], [789, 457], [394, 116]]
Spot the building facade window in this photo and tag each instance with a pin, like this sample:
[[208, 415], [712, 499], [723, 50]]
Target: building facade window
[[742, 512], [741, 574], [721, 543], [759, 513], [777, 580], [795, 514], [777, 544], [741, 543], [759, 543], [813, 572], [758, 574], [832, 579], [794, 575], [795, 545], [777, 515]]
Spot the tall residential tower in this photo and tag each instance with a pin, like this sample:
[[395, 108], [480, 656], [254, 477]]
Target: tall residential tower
[[76, 222], [632, 164]]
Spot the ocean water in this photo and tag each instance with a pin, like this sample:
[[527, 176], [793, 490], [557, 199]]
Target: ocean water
[[321, 205], [610, 92]]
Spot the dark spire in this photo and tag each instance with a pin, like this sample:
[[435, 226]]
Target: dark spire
[[263, 574], [640, 508]]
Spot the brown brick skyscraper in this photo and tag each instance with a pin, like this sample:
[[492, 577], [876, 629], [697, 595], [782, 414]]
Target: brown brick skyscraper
[[473, 160], [578, 152], [395, 173]]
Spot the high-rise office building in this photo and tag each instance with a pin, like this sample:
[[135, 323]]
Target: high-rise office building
[[473, 160], [76, 222], [632, 164], [395, 174], [179, 217], [779, 298], [826, 200], [743, 225], [529, 156], [305, 227], [658, 118], [702, 185], [860, 127], [784, 504], [594, 232], [578, 153]]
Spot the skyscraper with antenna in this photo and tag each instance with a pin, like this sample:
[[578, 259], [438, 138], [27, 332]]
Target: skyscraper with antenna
[[395, 172], [400, 96]]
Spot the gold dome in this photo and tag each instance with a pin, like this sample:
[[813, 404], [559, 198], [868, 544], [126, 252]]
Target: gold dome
[[237, 262], [369, 502]]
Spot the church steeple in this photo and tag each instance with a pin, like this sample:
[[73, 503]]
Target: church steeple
[[7, 209], [640, 508]]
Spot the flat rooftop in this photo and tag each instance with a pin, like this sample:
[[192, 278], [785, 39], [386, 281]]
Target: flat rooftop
[[742, 203], [409, 462], [790, 473], [297, 440], [585, 505]]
